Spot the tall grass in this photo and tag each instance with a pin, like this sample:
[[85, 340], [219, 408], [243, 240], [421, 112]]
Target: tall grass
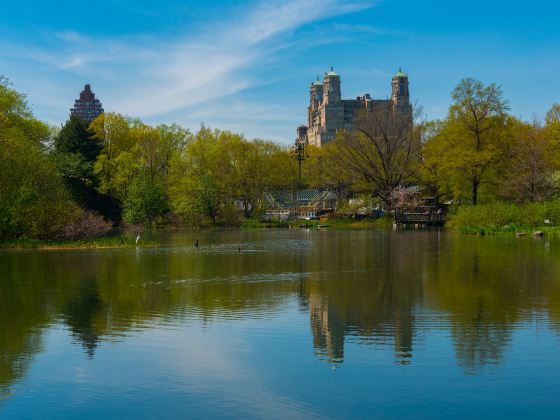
[[505, 217], [102, 242]]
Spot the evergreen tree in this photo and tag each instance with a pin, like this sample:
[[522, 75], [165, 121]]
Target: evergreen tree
[[75, 137], [75, 153]]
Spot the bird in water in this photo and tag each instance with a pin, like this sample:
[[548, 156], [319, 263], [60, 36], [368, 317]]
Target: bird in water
[[196, 243], [137, 239]]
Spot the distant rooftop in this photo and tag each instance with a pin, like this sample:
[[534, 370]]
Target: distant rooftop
[[87, 107]]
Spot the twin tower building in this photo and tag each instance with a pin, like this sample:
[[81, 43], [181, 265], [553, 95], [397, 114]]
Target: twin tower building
[[329, 113]]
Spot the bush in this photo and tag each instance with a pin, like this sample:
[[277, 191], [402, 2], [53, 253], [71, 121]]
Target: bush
[[502, 216], [33, 200], [85, 225]]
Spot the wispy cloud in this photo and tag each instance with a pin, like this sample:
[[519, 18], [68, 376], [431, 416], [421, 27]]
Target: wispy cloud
[[147, 77], [215, 63], [151, 76]]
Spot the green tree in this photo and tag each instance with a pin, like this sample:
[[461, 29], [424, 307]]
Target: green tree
[[552, 128], [75, 138], [146, 202], [75, 153], [16, 118], [33, 200], [132, 149], [117, 164], [256, 168], [200, 185], [474, 136], [434, 174], [530, 165], [321, 169]]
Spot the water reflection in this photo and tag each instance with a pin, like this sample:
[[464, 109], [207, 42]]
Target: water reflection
[[379, 289]]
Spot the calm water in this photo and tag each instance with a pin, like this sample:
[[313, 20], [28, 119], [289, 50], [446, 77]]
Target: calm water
[[284, 324]]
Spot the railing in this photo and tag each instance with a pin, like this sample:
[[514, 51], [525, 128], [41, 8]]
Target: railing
[[420, 218]]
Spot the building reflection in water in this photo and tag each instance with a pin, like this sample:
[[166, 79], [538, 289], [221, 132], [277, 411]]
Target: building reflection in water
[[377, 289], [379, 323], [479, 292], [370, 299]]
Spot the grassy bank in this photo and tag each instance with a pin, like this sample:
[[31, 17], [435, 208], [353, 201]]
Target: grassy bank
[[96, 243], [507, 219]]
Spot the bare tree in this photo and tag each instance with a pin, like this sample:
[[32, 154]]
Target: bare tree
[[382, 149]]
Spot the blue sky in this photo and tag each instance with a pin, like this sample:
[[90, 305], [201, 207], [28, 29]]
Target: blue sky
[[246, 66]]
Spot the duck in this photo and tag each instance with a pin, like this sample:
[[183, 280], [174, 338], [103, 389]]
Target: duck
[[196, 243]]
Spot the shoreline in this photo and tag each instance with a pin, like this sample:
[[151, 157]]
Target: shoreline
[[96, 243], [118, 242]]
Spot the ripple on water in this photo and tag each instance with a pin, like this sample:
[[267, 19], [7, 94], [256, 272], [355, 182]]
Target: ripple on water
[[287, 245]]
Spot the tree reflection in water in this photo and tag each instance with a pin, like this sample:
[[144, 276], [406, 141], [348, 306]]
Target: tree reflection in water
[[376, 288]]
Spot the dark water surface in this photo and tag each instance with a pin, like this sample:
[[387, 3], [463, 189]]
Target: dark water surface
[[284, 324]]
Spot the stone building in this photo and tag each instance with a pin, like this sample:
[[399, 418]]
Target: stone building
[[87, 107], [329, 113]]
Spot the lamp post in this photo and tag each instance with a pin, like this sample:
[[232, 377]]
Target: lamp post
[[299, 153]]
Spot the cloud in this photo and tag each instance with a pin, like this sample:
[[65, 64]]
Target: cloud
[[151, 76], [211, 66]]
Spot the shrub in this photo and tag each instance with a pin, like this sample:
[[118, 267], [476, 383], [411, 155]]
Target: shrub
[[503, 216], [85, 224]]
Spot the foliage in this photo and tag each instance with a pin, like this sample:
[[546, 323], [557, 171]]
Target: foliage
[[322, 170], [84, 224], [33, 200], [530, 165], [16, 118], [75, 153], [146, 202], [75, 138], [258, 166], [135, 162], [502, 216], [434, 174], [117, 163], [219, 175], [467, 148], [121, 167]]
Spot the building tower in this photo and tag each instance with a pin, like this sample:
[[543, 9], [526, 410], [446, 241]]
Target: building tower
[[316, 93], [400, 95], [315, 98], [328, 113], [331, 88], [87, 107], [332, 112]]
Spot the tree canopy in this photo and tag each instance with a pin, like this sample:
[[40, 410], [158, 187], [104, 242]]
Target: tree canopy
[[120, 168]]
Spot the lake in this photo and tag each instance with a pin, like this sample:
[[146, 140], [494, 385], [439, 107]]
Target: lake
[[290, 323]]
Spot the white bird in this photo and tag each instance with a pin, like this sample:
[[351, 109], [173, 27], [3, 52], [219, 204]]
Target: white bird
[[137, 239]]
